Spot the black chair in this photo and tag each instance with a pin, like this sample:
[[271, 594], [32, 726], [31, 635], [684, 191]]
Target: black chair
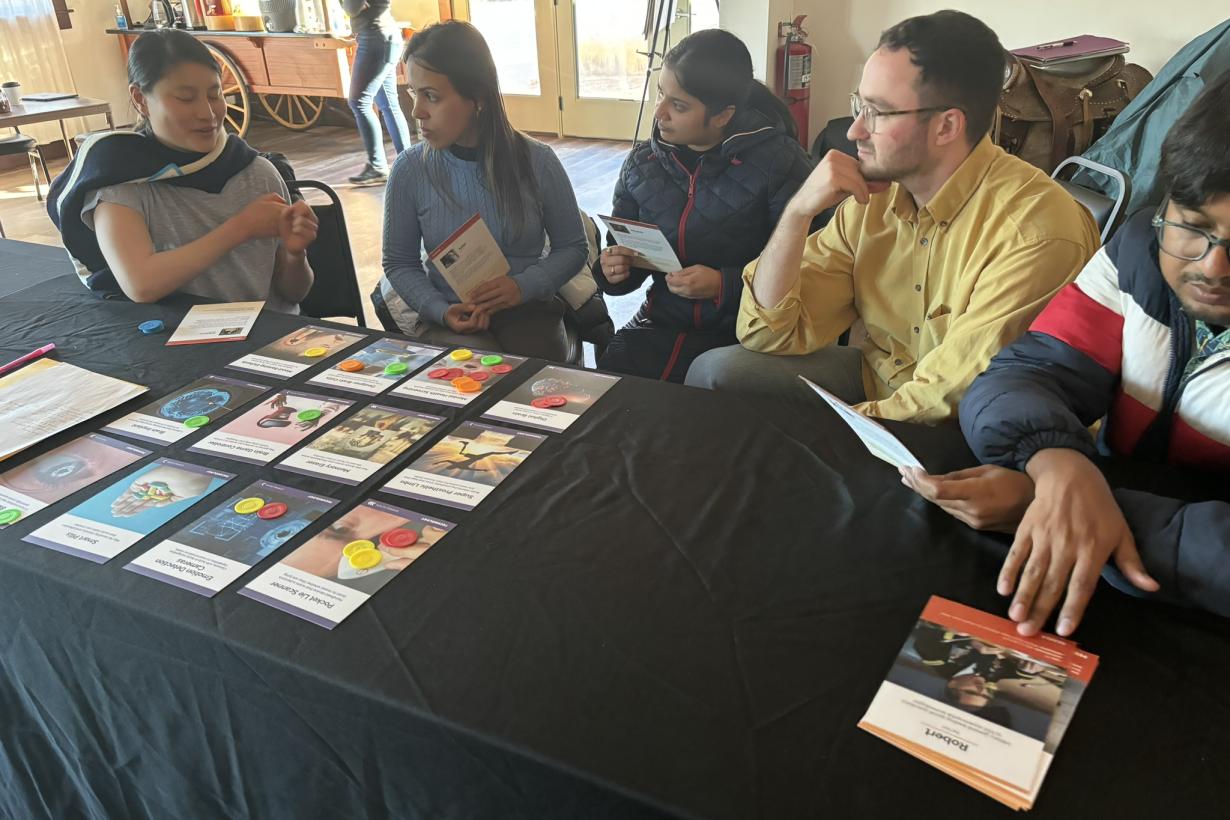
[[1106, 209], [833, 135], [19, 143], [336, 289]]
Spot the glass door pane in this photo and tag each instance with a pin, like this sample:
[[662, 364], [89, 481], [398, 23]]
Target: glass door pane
[[521, 36], [609, 51]]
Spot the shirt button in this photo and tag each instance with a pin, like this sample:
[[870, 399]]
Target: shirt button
[[923, 241], [916, 330], [898, 362], [918, 288], [943, 224]]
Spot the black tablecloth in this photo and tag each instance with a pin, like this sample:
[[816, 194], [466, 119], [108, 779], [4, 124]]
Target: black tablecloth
[[680, 607], [23, 264]]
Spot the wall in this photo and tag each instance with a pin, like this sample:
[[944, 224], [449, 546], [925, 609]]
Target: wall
[[419, 13], [755, 23], [95, 59], [844, 32]]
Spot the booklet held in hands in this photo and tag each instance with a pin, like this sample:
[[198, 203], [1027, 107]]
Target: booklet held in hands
[[647, 240], [878, 441], [469, 258]]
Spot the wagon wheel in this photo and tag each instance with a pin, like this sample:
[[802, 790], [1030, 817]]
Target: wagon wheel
[[235, 92], [298, 112]]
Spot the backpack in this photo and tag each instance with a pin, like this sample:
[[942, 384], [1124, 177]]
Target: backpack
[[1134, 143], [1048, 114]]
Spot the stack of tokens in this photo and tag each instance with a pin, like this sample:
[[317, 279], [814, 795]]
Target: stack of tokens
[[549, 402], [467, 384], [362, 554]]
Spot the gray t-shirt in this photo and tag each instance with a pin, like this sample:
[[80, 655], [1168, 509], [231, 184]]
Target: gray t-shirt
[[176, 215]]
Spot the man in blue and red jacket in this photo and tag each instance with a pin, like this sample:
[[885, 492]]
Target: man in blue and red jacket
[[1141, 341]]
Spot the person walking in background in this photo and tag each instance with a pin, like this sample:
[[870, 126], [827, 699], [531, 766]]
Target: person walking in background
[[373, 78]]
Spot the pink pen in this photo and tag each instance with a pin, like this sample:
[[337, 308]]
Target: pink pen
[[29, 357]]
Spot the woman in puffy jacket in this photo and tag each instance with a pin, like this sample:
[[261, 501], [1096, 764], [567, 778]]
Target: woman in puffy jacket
[[719, 168]]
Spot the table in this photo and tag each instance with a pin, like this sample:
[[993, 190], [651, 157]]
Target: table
[[679, 608], [32, 111], [23, 264]]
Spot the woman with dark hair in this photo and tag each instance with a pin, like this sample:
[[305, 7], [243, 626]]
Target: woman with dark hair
[[472, 161], [373, 79], [719, 168], [177, 205]]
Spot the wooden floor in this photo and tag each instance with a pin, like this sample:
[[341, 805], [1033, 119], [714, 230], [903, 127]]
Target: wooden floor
[[331, 154]]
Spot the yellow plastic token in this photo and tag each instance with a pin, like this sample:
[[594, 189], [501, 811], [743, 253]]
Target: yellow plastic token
[[315, 352], [249, 506], [461, 355], [357, 546], [365, 559]]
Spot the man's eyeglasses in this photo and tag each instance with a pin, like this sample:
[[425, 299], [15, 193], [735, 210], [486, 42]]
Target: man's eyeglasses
[[1183, 241], [870, 114]]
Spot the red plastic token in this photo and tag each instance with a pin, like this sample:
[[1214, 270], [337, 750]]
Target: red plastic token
[[541, 404], [440, 373], [480, 375], [455, 373], [275, 509], [501, 369], [555, 401], [399, 538]]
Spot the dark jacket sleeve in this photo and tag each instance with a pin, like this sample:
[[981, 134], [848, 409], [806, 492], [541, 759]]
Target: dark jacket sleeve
[[623, 206], [1186, 547], [1037, 393]]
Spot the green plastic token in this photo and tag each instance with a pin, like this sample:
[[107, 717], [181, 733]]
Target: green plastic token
[[309, 415], [395, 368], [9, 516], [196, 421], [489, 361]]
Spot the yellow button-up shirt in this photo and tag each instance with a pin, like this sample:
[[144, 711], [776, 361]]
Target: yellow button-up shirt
[[940, 289]]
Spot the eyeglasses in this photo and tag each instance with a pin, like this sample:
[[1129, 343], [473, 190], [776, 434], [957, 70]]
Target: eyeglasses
[[1183, 241], [869, 114]]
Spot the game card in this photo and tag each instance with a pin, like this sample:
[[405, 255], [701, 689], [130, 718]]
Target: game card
[[58, 474], [354, 449], [462, 468], [377, 367], [225, 322], [272, 427], [111, 521], [459, 377], [296, 352], [212, 552], [338, 569], [186, 410], [553, 399]]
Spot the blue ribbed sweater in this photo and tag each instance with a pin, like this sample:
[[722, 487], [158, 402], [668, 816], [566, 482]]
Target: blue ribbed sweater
[[418, 217]]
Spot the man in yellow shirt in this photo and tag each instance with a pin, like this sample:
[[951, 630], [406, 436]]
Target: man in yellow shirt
[[944, 249]]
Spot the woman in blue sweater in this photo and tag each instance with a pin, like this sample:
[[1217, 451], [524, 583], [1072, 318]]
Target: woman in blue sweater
[[473, 161]]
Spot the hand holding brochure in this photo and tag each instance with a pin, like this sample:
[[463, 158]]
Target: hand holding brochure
[[881, 443], [647, 240], [469, 258]]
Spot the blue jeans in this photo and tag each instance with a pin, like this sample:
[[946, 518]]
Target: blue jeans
[[374, 78]]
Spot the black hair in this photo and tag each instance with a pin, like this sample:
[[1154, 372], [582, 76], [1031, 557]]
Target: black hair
[[156, 52], [715, 67], [1195, 164], [961, 63], [457, 50]]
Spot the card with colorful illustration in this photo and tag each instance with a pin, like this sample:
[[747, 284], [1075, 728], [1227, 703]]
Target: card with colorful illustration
[[339, 568], [553, 399], [55, 475], [462, 468], [272, 427], [296, 352], [212, 552], [459, 377], [111, 521], [356, 448], [377, 367], [186, 410]]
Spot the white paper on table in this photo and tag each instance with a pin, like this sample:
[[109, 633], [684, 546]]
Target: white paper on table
[[228, 322], [875, 437], [47, 396], [647, 240], [469, 258]]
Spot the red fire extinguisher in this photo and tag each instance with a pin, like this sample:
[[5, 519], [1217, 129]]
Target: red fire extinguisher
[[793, 82]]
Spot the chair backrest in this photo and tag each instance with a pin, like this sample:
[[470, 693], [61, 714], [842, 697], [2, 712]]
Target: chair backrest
[[336, 289], [1105, 208]]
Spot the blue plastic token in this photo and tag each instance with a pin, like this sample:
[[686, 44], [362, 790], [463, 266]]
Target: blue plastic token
[[151, 327]]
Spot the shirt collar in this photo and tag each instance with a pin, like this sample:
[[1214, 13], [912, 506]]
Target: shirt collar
[[956, 190]]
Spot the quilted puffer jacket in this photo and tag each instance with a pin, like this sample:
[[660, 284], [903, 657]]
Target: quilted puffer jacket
[[720, 214]]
